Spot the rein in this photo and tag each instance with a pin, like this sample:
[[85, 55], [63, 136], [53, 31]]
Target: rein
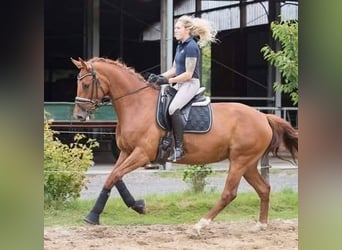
[[131, 93], [95, 83]]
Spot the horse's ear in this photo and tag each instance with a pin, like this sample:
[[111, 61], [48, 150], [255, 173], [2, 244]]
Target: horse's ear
[[84, 64], [77, 63]]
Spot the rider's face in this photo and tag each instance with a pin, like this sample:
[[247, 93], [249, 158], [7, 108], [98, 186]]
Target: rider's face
[[181, 33]]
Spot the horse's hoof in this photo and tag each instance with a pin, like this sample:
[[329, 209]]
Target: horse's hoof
[[92, 218], [258, 227], [193, 232], [196, 229], [139, 207]]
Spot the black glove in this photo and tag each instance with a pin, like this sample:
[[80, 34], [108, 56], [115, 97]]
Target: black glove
[[162, 80], [152, 78]]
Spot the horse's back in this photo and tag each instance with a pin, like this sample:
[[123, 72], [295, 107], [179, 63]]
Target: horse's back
[[238, 114], [236, 127]]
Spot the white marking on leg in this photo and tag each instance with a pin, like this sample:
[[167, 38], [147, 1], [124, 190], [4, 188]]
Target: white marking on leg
[[201, 224], [258, 227]]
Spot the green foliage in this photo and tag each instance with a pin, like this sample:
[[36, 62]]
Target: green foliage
[[206, 68], [195, 175], [286, 59], [64, 166]]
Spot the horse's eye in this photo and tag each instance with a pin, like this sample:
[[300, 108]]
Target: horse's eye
[[85, 85]]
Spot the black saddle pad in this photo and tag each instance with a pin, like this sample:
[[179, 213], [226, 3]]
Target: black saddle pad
[[197, 116], [199, 120]]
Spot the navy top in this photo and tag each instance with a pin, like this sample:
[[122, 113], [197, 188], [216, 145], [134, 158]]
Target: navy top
[[188, 48]]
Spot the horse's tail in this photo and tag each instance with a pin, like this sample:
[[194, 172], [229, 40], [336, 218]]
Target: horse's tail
[[283, 135]]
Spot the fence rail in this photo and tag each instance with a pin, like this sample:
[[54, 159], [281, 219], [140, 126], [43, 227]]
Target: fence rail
[[241, 98], [289, 114]]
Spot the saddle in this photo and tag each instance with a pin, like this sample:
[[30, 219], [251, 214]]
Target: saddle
[[197, 118], [196, 114]]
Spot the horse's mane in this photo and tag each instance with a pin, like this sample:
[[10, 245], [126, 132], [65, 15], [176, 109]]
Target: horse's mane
[[119, 64]]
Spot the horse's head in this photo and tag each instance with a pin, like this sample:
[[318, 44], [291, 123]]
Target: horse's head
[[90, 92]]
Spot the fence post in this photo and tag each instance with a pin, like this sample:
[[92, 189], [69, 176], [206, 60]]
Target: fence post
[[265, 167]]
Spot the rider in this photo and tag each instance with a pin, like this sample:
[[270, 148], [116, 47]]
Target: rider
[[192, 34]]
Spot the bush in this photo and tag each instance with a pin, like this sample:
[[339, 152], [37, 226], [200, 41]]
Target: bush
[[195, 176], [65, 166]]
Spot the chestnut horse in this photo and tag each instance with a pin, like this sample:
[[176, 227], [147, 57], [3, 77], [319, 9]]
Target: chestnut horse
[[239, 133]]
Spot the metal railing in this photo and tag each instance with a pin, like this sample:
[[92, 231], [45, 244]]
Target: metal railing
[[289, 114], [241, 98]]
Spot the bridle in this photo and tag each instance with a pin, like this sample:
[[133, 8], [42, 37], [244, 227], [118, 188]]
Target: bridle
[[94, 100], [95, 85]]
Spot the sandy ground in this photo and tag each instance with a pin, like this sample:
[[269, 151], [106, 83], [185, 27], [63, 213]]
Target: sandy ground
[[280, 234]]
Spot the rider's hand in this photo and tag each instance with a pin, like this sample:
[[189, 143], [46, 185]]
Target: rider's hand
[[152, 78], [162, 80]]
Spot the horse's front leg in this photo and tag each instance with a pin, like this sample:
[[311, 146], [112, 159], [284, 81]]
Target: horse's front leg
[[228, 195], [126, 196], [133, 161]]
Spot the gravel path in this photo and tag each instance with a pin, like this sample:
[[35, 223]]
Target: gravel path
[[145, 182]]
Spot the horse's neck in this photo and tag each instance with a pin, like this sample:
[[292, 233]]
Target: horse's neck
[[121, 86], [137, 107], [129, 100]]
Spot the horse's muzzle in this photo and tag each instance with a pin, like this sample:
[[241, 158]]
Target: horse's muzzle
[[81, 114], [81, 118]]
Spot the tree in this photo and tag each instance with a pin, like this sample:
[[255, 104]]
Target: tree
[[286, 59]]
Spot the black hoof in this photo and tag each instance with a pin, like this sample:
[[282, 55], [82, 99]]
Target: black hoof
[[139, 207], [92, 218]]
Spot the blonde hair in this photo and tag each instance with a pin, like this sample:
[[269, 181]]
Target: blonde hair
[[201, 28]]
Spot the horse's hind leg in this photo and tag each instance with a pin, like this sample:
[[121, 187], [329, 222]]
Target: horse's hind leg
[[262, 188]]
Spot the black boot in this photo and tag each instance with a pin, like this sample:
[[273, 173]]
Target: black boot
[[177, 126], [138, 206], [94, 216]]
